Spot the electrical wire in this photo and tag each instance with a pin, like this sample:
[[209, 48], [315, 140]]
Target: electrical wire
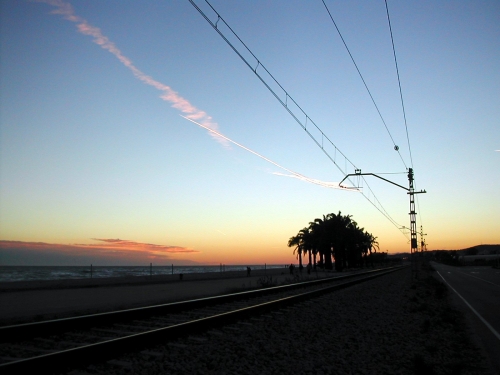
[[382, 210], [364, 83], [258, 64], [399, 82], [284, 102], [402, 101], [368, 90]]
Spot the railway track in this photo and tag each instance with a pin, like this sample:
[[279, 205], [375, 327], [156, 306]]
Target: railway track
[[62, 344]]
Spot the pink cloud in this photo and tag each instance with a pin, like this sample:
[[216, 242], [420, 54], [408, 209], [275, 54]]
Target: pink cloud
[[124, 247], [132, 245], [178, 102]]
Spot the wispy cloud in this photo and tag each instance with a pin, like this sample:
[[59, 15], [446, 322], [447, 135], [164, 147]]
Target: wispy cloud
[[134, 246], [192, 113], [331, 185], [169, 95], [105, 248]]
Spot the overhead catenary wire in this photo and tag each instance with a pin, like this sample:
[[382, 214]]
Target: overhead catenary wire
[[285, 103], [401, 97], [368, 90], [382, 210], [364, 83], [399, 83]]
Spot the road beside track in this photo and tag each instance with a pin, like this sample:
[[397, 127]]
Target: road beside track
[[476, 292]]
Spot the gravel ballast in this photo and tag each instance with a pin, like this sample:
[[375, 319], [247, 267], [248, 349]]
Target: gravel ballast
[[391, 325]]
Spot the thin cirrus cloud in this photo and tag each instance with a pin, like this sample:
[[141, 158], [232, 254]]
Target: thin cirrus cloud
[[110, 243], [104, 245], [169, 95], [330, 185]]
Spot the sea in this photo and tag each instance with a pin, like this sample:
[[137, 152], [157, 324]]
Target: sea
[[34, 273]]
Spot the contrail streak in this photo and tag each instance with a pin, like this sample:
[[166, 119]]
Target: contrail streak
[[331, 185], [169, 95]]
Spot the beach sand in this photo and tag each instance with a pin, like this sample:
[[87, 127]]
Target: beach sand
[[41, 300]]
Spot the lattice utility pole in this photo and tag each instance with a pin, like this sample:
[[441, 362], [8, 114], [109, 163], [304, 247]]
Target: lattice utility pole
[[423, 245], [413, 225], [413, 214]]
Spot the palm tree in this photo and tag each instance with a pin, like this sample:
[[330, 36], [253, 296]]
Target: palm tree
[[372, 244], [364, 248], [300, 243], [321, 238], [334, 235], [295, 241], [306, 243], [354, 244], [312, 242], [338, 229]]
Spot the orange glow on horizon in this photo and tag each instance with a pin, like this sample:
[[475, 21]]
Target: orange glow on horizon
[[207, 252]]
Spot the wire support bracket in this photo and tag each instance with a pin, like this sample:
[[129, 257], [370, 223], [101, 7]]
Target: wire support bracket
[[411, 193], [385, 179]]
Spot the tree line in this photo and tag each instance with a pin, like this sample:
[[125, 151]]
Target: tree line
[[334, 239]]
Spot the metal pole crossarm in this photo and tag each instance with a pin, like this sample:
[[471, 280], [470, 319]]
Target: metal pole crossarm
[[389, 181], [413, 213], [373, 174]]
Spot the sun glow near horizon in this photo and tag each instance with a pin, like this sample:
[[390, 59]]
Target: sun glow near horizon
[[98, 166]]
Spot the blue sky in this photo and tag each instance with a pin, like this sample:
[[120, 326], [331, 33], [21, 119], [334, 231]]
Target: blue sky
[[89, 151]]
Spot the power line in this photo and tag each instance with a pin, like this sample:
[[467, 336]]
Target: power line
[[401, 96], [382, 210], [399, 83], [364, 82], [368, 90], [299, 115]]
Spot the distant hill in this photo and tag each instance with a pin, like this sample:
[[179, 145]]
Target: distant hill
[[482, 249]]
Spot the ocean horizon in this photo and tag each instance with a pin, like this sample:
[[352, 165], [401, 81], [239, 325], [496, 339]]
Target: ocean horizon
[[36, 273]]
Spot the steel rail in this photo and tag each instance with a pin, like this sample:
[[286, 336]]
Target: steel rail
[[91, 353], [18, 332]]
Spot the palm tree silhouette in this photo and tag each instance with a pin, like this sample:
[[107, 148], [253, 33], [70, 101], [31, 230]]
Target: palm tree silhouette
[[334, 235], [299, 241]]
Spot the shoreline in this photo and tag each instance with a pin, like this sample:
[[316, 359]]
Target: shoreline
[[17, 286]]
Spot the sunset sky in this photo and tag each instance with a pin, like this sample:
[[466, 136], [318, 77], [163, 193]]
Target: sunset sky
[[98, 164]]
